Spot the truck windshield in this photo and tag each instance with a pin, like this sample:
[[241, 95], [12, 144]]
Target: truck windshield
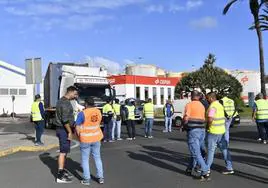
[[99, 93]]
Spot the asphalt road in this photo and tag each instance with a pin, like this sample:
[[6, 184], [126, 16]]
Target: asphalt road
[[144, 163]]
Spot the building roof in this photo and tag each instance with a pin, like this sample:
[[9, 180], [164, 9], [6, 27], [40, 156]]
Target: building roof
[[12, 68]]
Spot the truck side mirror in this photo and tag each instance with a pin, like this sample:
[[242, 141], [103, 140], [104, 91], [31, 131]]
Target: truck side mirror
[[114, 93]]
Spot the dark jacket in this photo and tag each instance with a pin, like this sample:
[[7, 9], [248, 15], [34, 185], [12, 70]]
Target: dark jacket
[[64, 113]]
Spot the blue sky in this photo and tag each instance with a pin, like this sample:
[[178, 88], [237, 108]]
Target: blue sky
[[173, 34]]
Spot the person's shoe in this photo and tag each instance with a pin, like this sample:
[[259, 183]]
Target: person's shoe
[[259, 139], [150, 136], [209, 172], [85, 182], [101, 181], [188, 171], [203, 178], [111, 141], [134, 138], [67, 173], [197, 169], [165, 131], [36, 144], [104, 140], [170, 131], [264, 142], [145, 136], [63, 179], [119, 139], [41, 144], [228, 172], [129, 139]]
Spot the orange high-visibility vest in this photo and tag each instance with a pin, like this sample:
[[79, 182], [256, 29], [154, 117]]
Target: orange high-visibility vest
[[90, 130]]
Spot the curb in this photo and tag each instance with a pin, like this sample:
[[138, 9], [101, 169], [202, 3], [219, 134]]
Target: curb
[[27, 148]]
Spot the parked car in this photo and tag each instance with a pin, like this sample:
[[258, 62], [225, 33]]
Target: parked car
[[138, 110], [179, 106]]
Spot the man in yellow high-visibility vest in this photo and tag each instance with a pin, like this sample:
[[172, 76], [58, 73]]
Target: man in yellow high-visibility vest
[[108, 113], [215, 135], [116, 131], [148, 111], [229, 112], [38, 117], [260, 114]]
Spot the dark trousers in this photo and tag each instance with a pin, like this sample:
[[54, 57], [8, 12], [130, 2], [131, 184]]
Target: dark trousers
[[108, 126], [39, 130], [131, 131], [263, 127]]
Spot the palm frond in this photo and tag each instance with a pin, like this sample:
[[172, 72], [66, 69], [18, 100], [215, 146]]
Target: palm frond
[[227, 7]]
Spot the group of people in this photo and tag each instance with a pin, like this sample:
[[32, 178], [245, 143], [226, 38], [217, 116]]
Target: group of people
[[208, 129], [206, 120]]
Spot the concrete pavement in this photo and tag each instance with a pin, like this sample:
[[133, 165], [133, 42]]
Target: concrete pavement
[[144, 163], [19, 135]]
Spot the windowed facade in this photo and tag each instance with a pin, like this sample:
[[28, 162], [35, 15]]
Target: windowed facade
[[138, 94], [146, 93], [162, 95], [154, 95], [13, 91], [4, 91], [22, 92], [169, 93]]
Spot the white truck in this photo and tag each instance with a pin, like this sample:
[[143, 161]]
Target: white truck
[[90, 81], [179, 106]]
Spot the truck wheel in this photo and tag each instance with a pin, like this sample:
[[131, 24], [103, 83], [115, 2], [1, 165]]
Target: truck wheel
[[178, 122]]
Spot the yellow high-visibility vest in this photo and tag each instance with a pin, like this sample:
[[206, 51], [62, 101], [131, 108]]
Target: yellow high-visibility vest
[[107, 108], [148, 110], [262, 109], [117, 109], [36, 114], [229, 106], [218, 124], [131, 112]]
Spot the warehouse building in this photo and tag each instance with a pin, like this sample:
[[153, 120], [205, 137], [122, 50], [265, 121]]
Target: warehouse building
[[12, 83]]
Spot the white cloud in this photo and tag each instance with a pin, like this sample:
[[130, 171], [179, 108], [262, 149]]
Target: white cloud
[[71, 14], [204, 23], [111, 66], [193, 4], [155, 8], [176, 8]]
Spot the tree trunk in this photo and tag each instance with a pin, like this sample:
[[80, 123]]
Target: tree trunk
[[261, 57]]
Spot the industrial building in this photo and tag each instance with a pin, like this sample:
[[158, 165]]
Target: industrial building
[[143, 82], [12, 83]]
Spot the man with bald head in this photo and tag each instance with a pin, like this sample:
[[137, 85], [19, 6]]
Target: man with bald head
[[194, 121]]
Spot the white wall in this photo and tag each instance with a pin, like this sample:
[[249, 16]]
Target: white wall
[[129, 90], [22, 103]]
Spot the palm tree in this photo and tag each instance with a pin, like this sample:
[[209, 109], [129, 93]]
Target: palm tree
[[255, 8]]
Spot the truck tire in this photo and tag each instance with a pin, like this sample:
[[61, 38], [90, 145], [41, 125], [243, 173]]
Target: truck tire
[[178, 122]]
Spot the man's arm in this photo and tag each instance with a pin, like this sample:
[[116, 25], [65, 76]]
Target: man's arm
[[211, 115], [42, 110], [254, 112], [172, 111], [79, 121], [67, 119]]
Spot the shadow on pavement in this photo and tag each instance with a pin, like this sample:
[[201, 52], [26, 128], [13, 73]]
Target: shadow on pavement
[[27, 137], [52, 163]]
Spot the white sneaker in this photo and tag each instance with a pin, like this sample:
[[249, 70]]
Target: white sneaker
[[150, 136], [165, 131], [134, 138], [129, 139], [145, 136], [264, 142], [259, 139], [119, 139]]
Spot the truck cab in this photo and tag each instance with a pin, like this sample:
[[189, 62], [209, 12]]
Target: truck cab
[[90, 81]]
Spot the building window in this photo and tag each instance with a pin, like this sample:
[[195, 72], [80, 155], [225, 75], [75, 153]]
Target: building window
[[3, 91], [162, 95], [138, 94], [154, 95], [13, 91], [146, 93], [22, 92], [169, 93]]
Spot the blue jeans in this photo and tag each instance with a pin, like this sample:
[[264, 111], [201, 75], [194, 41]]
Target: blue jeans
[[168, 123], [227, 128], [116, 129], [86, 150], [108, 129], [149, 126], [39, 130], [218, 140], [195, 139]]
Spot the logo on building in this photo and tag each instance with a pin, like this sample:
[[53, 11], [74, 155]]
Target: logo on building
[[244, 80], [157, 81], [162, 82]]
